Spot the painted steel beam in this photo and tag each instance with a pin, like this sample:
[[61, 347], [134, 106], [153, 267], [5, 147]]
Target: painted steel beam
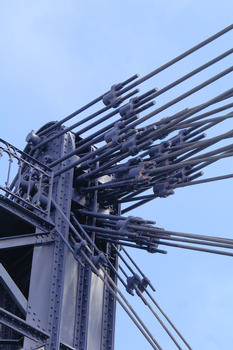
[[26, 240], [13, 290], [19, 325], [25, 214], [63, 346]]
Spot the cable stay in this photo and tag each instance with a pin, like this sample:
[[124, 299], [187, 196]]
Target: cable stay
[[140, 286], [121, 230], [96, 263], [152, 298], [117, 89], [154, 95], [130, 110], [82, 250]]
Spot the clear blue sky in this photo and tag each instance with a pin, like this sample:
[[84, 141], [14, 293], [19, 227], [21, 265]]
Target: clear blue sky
[[58, 55]]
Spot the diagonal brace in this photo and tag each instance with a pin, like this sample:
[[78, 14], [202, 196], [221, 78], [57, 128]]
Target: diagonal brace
[[13, 290]]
